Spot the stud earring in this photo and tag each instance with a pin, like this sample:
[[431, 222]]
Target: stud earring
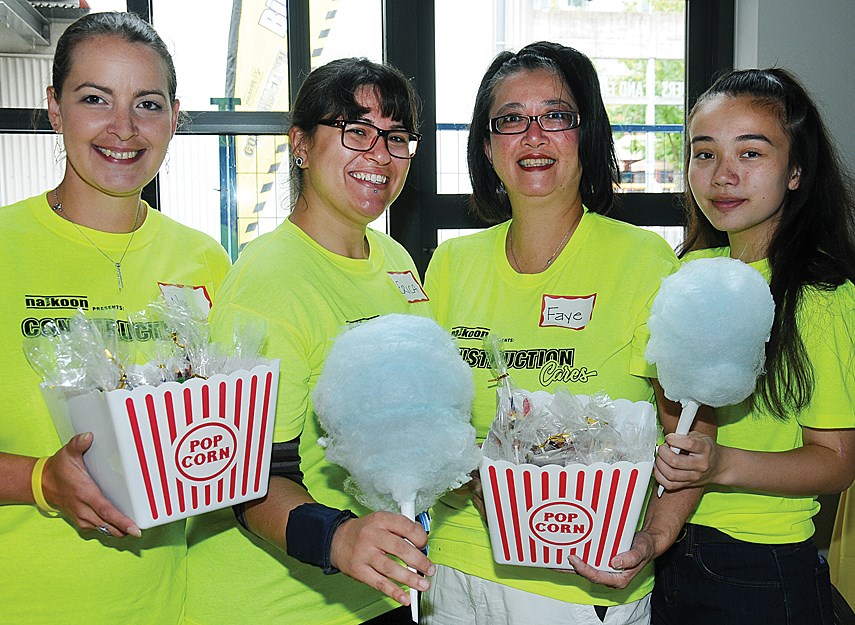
[[299, 162]]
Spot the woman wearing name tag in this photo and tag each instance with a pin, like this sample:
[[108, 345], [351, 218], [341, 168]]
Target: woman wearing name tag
[[569, 291], [765, 186], [89, 243], [352, 138]]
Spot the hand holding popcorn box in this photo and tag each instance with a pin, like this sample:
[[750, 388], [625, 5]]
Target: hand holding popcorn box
[[188, 432], [564, 474]]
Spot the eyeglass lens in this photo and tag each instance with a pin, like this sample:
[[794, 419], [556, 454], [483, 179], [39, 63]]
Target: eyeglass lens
[[362, 137], [551, 122]]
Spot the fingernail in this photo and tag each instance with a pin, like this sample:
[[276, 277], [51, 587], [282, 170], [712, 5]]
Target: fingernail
[[133, 530], [431, 570], [423, 584]]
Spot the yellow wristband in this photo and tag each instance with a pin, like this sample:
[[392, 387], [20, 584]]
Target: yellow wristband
[[36, 483]]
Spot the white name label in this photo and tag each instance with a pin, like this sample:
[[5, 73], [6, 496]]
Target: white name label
[[567, 311], [408, 286]]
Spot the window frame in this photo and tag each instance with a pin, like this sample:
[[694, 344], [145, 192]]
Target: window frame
[[409, 28]]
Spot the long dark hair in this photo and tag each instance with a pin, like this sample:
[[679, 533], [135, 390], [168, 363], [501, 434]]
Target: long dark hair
[[127, 26], [330, 92], [814, 244], [596, 146]]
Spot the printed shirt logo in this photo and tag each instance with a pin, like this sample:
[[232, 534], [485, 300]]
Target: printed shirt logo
[[463, 332], [408, 286], [57, 301], [567, 311]]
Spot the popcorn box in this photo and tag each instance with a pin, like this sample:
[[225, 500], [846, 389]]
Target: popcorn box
[[172, 451], [538, 515]]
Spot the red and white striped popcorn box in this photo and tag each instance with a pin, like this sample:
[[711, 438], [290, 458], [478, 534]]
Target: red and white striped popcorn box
[[172, 451], [538, 515]]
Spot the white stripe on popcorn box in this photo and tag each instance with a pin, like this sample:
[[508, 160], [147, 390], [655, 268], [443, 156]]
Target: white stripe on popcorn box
[[165, 453], [539, 515]]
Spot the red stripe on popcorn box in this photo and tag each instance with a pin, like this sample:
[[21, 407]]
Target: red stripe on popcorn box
[[539, 515], [165, 453]]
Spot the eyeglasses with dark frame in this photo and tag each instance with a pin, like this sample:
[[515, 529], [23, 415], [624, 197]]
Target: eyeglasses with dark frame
[[516, 124], [362, 137]]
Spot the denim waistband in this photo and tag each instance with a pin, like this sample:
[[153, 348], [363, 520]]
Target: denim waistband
[[706, 534]]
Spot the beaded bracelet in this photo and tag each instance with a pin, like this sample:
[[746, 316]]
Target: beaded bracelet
[[36, 483]]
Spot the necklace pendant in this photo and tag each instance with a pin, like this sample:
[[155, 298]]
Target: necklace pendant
[[119, 275]]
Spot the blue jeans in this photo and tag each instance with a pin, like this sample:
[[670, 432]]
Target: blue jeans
[[707, 577]]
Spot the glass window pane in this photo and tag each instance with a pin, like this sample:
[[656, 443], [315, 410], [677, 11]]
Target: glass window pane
[[225, 49], [637, 46], [233, 188], [239, 49], [343, 28], [199, 52], [31, 164]]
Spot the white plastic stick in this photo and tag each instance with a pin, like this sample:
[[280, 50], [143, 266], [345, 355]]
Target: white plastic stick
[[687, 417], [408, 509]]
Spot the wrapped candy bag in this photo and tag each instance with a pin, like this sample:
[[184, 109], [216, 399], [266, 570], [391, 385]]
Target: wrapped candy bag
[[542, 429], [84, 355], [168, 341]]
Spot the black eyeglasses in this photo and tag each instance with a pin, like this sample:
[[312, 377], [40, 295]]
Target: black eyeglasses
[[554, 121], [362, 137]]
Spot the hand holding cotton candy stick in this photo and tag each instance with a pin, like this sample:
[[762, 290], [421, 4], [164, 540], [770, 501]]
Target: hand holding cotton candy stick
[[394, 398], [708, 328]]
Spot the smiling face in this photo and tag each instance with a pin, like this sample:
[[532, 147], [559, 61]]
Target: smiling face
[[349, 186], [739, 170], [535, 164], [114, 115]]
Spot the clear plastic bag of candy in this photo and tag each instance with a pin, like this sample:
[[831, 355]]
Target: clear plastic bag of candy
[[167, 341], [542, 428]]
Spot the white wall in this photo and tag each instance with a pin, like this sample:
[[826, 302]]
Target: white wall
[[814, 39]]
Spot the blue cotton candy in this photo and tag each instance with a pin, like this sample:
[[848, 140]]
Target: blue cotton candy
[[394, 399], [708, 329]]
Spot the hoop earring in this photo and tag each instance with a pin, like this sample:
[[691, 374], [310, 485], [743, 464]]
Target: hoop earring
[[299, 162], [501, 190]]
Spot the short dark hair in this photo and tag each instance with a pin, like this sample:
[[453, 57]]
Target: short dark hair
[[814, 243], [329, 92], [128, 26], [596, 146]]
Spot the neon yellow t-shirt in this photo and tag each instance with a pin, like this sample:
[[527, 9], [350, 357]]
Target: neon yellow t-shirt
[[826, 321], [306, 295], [50, 572], [580, 324]]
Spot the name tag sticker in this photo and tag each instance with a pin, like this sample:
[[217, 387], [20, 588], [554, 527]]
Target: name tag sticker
[[408, 286], [567, 311]]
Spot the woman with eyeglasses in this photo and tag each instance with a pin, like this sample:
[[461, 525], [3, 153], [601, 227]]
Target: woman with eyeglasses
[[569, 291], [352, 138]]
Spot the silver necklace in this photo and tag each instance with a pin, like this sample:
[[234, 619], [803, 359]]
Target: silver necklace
[[57, 207], [549, 260]]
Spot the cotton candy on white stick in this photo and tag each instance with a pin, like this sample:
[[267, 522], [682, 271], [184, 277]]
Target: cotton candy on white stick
[[708, 328], [394, 399]]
